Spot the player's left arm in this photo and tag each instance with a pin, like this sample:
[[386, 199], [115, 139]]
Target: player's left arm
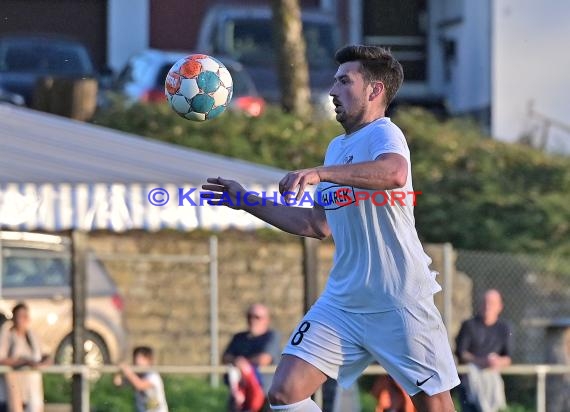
[[387, 171]]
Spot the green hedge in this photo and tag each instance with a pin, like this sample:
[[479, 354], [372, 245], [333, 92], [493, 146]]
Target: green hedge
[[477, 193]]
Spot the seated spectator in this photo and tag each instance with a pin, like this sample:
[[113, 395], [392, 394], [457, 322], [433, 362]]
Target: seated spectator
[[149, 388], [485, 344], [22, 389], [257, 346]]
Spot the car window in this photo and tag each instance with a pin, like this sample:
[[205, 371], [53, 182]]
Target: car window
[[30, 58], [251, 42], [24, 268]]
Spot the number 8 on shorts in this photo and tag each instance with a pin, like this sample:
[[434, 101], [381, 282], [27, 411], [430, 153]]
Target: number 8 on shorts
[[298, 337]]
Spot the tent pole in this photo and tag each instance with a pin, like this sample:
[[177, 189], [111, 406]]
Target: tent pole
[[80, 383], [311, 285], [214, 346]]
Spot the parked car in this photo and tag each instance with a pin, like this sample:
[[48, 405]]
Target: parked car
[[246, 34], [11, 98], [24, 59], [36, 269], [143, 77]]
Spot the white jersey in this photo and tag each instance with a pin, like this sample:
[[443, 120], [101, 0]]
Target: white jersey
[[153, 398], [379, 262]]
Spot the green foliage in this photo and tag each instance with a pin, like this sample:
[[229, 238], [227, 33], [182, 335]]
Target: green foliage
[[477, 193], [183, 394], [482, 194], [275, 139]]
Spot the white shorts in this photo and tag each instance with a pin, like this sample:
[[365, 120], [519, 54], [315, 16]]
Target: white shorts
[[410, 343]]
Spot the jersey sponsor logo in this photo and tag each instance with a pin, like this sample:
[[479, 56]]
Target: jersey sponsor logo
[[420, 383], [335, 196]]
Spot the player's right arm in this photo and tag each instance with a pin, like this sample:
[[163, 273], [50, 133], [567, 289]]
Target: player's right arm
[[309, 222]]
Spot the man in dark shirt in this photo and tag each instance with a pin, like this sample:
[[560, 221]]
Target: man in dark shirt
[[485, 341], [258, 346]]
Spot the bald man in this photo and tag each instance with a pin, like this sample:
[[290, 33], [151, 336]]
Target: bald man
[[484, 341], [257, 346]]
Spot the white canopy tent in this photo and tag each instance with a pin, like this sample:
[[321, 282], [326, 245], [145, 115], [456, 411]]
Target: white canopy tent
[[58, 174]]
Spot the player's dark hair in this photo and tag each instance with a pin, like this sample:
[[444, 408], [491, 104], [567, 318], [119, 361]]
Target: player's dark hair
[[377, 63], [145, 351]]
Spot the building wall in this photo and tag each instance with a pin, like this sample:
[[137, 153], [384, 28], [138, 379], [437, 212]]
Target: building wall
[[84, 21], [167, 303], [459, 54], [530, 69], [128, 22]]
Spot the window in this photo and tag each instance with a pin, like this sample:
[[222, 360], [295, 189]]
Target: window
[[251, 41], [26, 268], [29, 58], [400, 26]]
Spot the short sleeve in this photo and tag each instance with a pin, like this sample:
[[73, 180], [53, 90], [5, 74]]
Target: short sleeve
[[231, 348], [388, 138], [155, 379]]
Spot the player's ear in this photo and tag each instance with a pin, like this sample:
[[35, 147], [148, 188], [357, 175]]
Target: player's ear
[[377, 89]]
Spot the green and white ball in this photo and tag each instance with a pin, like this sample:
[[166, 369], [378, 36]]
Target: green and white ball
[[198, 87]]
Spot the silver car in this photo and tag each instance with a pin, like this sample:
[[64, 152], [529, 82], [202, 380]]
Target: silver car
[[142, 80], [36, 269]]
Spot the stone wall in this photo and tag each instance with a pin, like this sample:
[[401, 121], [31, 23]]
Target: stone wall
[[167, 300]]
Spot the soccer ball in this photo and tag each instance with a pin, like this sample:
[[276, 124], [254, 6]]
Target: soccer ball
[[198, 87]]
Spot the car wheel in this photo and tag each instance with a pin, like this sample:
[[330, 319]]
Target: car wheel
[[96, 353]]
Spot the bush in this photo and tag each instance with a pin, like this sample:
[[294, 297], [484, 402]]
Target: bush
[[482, 194], [275, 139], [183, 394], [477, 193]]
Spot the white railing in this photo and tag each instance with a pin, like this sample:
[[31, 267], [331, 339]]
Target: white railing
[[540, 371]]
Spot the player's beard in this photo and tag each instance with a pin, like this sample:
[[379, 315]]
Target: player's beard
[[350, 121]]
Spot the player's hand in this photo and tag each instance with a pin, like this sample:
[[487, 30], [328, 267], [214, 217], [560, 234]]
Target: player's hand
[[296, 182], [222, 192]]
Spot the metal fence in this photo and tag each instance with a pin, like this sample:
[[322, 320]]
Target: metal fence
[[539, 372], [536, 294]]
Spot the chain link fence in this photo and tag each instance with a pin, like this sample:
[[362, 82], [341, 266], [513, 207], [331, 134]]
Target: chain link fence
[[536, 294]]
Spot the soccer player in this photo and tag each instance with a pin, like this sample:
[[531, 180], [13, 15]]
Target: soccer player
[[378, 301]]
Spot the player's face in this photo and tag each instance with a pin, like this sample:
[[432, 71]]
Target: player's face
[[349, 93]]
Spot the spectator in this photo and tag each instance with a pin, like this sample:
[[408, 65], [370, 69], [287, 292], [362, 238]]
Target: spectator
[[391, 396], [485, 344], [22, 389], [258, 346], [149, 388]]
